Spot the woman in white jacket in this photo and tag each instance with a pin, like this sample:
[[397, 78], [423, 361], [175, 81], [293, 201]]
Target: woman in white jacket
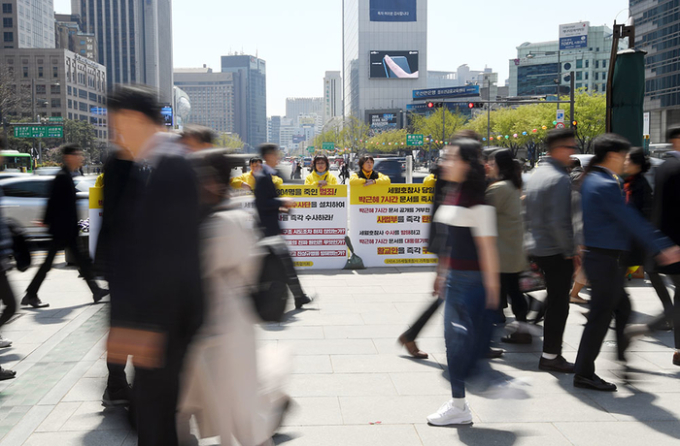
[[223, 387]]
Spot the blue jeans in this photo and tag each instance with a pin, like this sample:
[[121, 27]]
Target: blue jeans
[[467, 326]]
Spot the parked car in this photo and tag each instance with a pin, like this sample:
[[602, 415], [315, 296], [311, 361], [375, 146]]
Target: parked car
[[25, 198], [392, 167]]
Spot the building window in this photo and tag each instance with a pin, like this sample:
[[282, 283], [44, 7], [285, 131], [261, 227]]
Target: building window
[[604, 64], [82, 93], [82, 106], [56, 103], [70, 103], [25, 71], [597, 64], [56, 114], [579, 75], [7, 22], [55, 72], [6, 8], [68, 90], [597, 77], [579, 64], [40, 89], [587, 63], [594, 87], [70, 116], [55, 89], [8, 37], [586, 75], [40, 72], [579, 86], [83, 118]]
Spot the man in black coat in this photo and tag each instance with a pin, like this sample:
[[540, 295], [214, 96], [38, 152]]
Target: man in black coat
[[268, 205], [666, 217], [154, 260], [61, 217]]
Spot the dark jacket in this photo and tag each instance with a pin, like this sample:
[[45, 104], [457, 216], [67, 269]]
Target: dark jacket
[[156, 278], [267, 202], [666, 210], [638, 196], [61, 215], [608, 223]]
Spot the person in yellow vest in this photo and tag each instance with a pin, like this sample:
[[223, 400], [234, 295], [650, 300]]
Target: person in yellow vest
[[430, 180], [247, 180], [321, 175], [366, 176]]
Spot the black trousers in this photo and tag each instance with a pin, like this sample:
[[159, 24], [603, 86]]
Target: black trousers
[[558, 273], [671, 311], [510, 288], [156, 393], [293, 279], [606, 274], [412, 333], [82, 260], [8, 299]]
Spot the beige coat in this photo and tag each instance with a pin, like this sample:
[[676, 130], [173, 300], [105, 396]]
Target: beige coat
[[223, 385], [506, 199]]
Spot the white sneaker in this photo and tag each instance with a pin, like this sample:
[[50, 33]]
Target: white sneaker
[[5, 342], [449, 414]]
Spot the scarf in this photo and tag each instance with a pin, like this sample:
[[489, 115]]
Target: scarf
[[372, 176]]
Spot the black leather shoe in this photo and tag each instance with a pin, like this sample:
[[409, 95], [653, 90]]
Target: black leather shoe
[[116, 397], [99, 294], [593, 383], [558, 364], [304, 300], [517, 338], [494, 353], [33, 301]]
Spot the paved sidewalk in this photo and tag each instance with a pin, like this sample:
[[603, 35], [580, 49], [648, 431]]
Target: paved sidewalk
[[352, 384]]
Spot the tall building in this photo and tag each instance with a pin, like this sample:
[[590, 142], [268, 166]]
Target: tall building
[[274, 130], [27, 24], [539, 66], [252, 85], [385, 55], [303, 106], [70, 37], [656, 32], [332, 96], [213, 98], [134, 40], [64, 85]]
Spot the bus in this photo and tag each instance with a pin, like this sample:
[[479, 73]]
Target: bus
[[15, 161]]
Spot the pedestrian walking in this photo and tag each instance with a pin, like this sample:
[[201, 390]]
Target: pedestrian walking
[[6, 293], [609, 225], [550, 241], [268, 205], [156, 262], [197, 137], [504, 195], [61, 218], [468, 274]]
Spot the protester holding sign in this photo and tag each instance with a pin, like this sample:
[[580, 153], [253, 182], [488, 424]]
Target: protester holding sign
[[321, 175], [247, 180], [366, 176]]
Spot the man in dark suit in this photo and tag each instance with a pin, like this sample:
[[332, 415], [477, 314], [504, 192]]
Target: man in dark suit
[[268, 205], [154, 260], [666, 217], [61, 217]]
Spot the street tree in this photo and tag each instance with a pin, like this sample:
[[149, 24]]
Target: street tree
[[441, 125]]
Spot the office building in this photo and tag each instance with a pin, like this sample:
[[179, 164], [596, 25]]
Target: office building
[[69, 36], [385, 56], [459, 78], [63, 83], [252, 86], [274, 130], [213, 98], [656, 32], [134, 40], [539, 68], [27, 24], [303, 106], [332, 96]]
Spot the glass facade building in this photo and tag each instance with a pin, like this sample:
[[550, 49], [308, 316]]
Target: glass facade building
[[384, 55], [27, 24], [657, 26]]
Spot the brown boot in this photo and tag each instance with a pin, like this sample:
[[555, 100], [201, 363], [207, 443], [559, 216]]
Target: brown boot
[[412, 348]]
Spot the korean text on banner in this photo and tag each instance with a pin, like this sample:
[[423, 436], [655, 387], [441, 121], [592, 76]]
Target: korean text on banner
[[315, 228], [389, 225]]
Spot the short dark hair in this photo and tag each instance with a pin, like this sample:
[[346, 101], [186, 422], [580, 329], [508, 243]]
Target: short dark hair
[[557, 136], [70, 149], [673, 132], [604, 144], [267, 148], [201, 133], [254, 160], [637, 156], [363, 160], [139, 98]]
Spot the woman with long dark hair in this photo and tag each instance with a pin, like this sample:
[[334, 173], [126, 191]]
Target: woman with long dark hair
[[504, 195], [468, 270]]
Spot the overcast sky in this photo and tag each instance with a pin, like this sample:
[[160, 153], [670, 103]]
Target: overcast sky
[[301, 39]]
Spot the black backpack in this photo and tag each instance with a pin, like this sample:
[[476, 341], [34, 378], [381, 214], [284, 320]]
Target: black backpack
[[271, 292]]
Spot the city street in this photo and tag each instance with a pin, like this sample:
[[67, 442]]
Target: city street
[[352, 384]]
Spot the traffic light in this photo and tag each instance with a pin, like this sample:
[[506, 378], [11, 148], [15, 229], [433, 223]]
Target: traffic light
[[435, 104], [472, 105], [574, 125]]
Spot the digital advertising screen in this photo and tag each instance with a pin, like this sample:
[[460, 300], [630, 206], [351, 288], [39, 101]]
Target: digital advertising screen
[[393, 10], [393, 65], [382, 121], [166, 112]]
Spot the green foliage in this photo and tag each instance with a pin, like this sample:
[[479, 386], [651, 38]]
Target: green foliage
[[229, 141], [388, 142], [441, 125]]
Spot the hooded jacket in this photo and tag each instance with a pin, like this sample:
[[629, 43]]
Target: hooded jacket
[[314, 178]]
